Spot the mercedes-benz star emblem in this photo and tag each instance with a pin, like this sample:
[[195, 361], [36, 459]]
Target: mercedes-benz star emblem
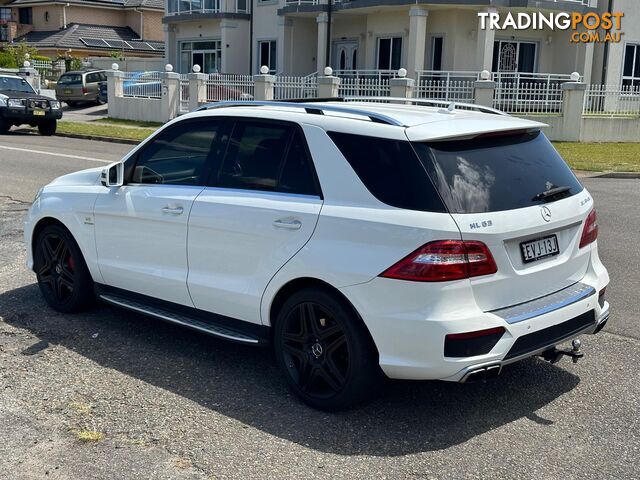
[[316, 349], [546, 214]]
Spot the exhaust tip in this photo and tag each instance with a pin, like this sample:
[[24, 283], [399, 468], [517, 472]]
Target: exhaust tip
[[482, 374]]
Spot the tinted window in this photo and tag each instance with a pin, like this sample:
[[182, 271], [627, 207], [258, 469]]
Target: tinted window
[[297, 173], [177, 156], [496, 172], [390, 170], [254, 156], [93, 77], [70, 78]]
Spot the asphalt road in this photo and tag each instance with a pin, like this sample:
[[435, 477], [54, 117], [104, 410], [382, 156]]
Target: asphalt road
[[174, 404]]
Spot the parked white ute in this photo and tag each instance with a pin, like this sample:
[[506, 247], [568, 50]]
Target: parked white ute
[[358, 238]]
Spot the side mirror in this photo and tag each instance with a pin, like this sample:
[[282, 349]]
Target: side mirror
[[113, 175]]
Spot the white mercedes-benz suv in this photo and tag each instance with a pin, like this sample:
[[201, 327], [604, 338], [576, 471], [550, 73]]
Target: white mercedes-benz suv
[[361, 239]]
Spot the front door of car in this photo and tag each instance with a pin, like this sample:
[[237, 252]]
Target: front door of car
[[141, 227], [258, 212]]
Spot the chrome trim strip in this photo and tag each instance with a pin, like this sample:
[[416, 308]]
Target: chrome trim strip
[[167, 318], [542, 305]]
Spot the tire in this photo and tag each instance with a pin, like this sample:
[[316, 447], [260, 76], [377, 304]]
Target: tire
[[5, 126], [99, 101], [47, 127], [63, 276], [325, 352], [72, 104]]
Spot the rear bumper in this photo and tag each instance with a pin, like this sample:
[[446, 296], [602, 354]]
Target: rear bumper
[[409, 330]]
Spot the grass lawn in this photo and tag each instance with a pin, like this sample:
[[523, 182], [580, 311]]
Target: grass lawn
[[105, 130], [128, 123], [601, 157]]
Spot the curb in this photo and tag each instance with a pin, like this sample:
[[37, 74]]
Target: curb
[[124, 141], [619, 175]]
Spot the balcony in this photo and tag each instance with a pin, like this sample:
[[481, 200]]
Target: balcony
[[185, 8], [518, 3]]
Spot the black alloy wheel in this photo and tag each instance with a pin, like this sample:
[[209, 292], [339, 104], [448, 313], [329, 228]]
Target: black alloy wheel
[[325, 350], [63, 277]]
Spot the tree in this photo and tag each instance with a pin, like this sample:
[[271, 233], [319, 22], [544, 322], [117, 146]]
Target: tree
[[13, 56]]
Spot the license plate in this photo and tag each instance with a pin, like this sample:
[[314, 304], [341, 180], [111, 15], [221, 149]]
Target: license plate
[[38, 112], [539, 248], [68, 91]]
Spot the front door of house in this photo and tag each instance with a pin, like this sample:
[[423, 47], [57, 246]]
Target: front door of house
[[345, 55]]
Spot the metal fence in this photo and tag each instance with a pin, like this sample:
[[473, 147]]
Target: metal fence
[[364, 87], [49, 69], [445, 85], [287, 87], [229, 87], [528, 97], [612, 101], [142, 85], [184, 93]]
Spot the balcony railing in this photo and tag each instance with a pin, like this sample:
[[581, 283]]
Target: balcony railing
[[188, 7]]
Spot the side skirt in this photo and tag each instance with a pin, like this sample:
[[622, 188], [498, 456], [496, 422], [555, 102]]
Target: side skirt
[[213, 324]]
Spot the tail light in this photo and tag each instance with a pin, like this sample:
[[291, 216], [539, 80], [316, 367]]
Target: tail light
[[444, 260], [84, 90], [590, 230]]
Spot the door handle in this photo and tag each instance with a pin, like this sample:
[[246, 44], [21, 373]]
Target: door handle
[[173, 210], [288, 223]]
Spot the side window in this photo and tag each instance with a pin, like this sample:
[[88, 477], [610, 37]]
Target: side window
[[297, 173], [177, 156], [90, 78], [390, 170], [254, 156], [102, 77]]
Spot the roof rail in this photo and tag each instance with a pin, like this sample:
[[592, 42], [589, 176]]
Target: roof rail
[[313, 108], [427, 102]]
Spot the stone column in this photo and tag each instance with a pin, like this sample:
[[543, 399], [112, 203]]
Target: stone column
[[170, 95], [484, 46], [483, 92], [263, 86], [323, 31], [197, 90], [402, 87], [284, 46], [572, 106], [31, 75], [328, 86], [171, 53], [115, 80], [417, 40]]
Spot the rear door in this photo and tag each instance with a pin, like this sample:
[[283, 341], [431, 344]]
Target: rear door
[[499, 191], [259, 209]]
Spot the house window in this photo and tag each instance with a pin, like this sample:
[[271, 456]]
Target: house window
[[25, 16], [389, 53], [267, 55], [631, 67], [514, 56], [207, 55], [436, 52], [5, 14]]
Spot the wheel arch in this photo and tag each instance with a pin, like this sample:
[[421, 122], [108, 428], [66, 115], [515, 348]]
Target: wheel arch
[[297, 284]]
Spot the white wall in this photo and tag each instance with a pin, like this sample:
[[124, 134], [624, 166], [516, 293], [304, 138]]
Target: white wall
[[129, 64], [631, 29]]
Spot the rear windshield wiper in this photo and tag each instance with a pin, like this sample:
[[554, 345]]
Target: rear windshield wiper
[[552, 192]]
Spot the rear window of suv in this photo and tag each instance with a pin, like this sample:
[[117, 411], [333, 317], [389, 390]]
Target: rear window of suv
[[495, 173], [70, 79], [390, 170]]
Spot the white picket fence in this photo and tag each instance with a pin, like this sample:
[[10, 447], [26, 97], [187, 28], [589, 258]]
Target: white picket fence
[[612, 101], [222, 87], [528, 97], [142, 85], [288, 87], [364, 87], [184, 93]]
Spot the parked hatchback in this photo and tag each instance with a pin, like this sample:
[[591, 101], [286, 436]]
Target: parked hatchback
[[78, 87], [361, 240]]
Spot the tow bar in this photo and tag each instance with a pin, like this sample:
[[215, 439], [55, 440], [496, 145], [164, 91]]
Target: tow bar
[[553, 355]]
